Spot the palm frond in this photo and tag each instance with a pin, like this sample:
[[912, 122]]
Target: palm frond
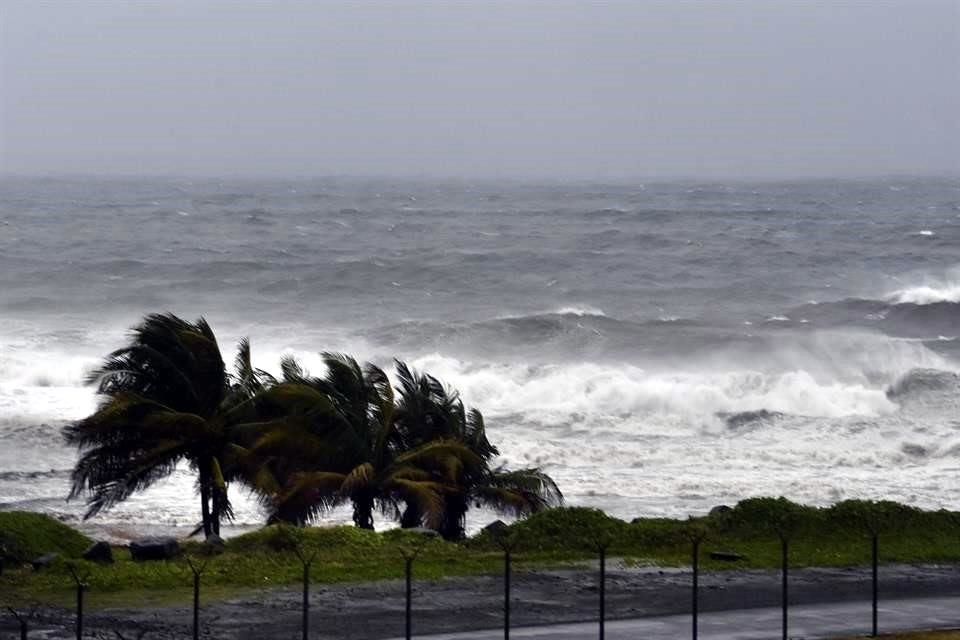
[[475, 435], [292, 371], [520, 492], [426, 495], [359, 479], [307, 496]]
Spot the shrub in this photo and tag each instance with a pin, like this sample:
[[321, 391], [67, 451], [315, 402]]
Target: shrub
[[561, 529], [281, 537]]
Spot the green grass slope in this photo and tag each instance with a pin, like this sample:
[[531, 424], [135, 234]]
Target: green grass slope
[[834, 536], [25, 535]]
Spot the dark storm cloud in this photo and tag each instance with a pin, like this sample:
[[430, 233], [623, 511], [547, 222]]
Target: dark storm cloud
[[593, 90]]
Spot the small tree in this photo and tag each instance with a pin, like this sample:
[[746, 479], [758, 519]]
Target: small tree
[[166, 398]]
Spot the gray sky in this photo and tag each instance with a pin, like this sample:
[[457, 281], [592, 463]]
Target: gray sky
[[756, 88]]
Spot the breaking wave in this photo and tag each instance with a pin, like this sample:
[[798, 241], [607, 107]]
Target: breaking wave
[[926, 295], [921, 381], [623, 393], [930, 320]]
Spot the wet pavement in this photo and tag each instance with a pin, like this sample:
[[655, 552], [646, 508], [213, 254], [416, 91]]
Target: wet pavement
[[806, 621]]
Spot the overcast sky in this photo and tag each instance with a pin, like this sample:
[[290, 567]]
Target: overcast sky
[[755, 88]]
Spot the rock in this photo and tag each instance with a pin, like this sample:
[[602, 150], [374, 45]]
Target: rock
[[214, 545], [497, 528], [749, 418], [99, 552], [154, 549], [719, 511], [44, 561], [423, 531], [727, 556]]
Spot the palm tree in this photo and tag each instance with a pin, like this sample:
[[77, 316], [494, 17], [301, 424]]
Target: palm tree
[[167, 397], [333, 439], [427, 410]]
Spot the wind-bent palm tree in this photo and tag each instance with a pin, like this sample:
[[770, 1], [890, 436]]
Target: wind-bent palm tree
[[167, 398], [334, 439], [427, 410]]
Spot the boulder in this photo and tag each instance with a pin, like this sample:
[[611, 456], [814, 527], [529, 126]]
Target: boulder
[[154, 549], [720, 510], [44, 561], [214, 545], [727, 556], [497, 529], [99, 552]]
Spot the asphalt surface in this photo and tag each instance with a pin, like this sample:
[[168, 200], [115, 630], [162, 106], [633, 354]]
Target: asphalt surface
[[643, 603], [806, 621]]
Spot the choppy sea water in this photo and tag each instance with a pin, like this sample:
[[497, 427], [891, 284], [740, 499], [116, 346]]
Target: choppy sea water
[[658, 348]]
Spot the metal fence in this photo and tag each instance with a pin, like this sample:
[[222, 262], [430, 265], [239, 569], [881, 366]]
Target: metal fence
[[20, 621]]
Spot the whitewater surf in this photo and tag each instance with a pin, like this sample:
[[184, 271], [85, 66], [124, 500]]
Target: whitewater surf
[[658, 349]]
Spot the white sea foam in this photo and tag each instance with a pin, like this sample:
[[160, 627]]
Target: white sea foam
[[569, 310], [634, 396], [933, 294], [649, 431], [579, 311], [929, 289]]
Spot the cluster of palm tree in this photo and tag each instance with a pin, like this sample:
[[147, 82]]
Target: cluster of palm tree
[[302, 443]]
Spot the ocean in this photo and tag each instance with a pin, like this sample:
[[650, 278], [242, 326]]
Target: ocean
[[658, 348]]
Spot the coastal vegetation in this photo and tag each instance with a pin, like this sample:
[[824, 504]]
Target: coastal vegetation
[[302, 443], [551, 538]]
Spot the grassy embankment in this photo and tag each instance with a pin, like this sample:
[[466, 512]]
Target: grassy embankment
[[834, 536]]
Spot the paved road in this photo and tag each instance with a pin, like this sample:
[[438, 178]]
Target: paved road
[[648, 603], [806, 621]]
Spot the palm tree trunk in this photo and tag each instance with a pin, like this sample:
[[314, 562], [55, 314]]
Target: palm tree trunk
[[411, 517], [205, 483], [217, 511], [205, 505], [363, 511], [454, 518]]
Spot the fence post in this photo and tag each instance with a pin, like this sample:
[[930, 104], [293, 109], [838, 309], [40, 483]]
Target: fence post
[[81, 583], [506, 542], [297, 540], [306, 561], [875, 543], [602, 548], [306, 601], [196, 606], [409, 555], [197, 570], [784, 574], [21, 620], [409, 572], [506, 591], [696, 585]]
